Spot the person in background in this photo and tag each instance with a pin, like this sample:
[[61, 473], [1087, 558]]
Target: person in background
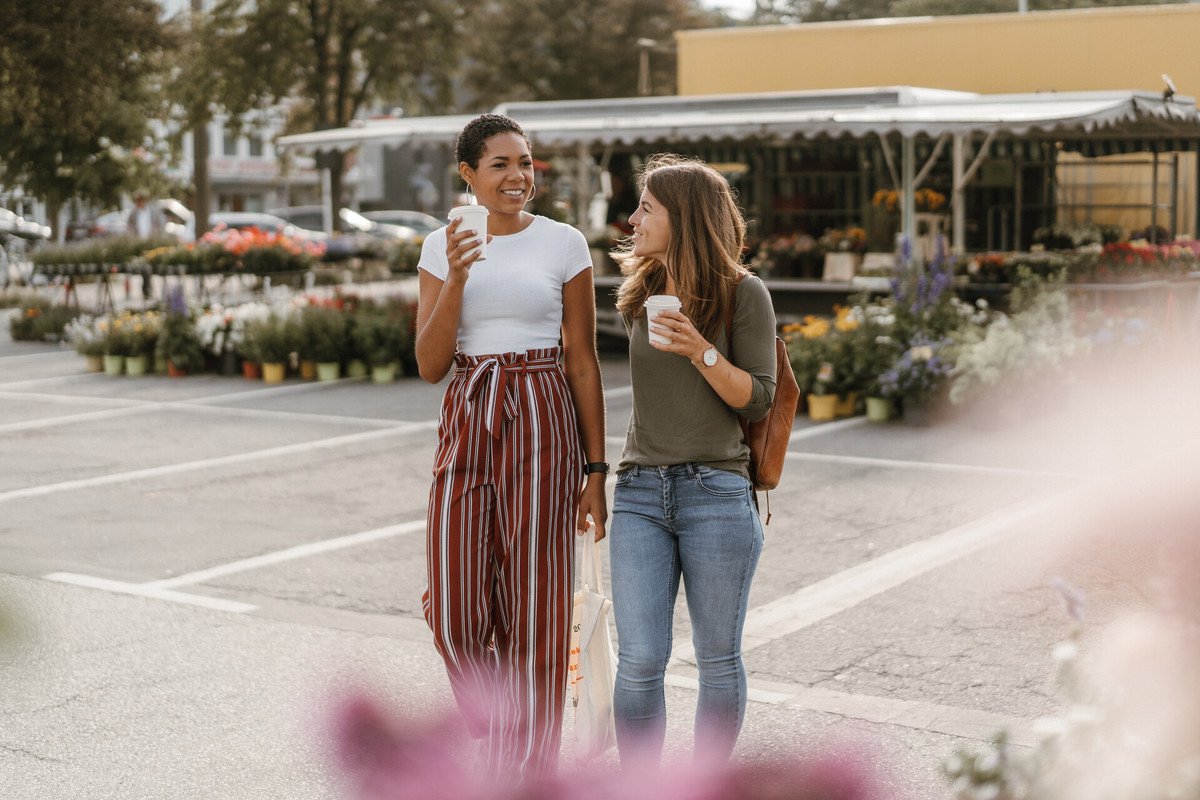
[[520, 417], [145, 221], [683, 505]]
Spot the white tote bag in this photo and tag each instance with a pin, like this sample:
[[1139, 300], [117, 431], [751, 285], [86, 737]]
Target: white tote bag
[[593, 666]]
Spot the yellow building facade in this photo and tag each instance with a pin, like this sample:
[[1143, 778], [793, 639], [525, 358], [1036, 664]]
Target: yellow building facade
[[1077, 50]]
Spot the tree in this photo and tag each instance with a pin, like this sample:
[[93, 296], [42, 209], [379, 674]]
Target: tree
[[573, 49], [75, 95], [328, 59]]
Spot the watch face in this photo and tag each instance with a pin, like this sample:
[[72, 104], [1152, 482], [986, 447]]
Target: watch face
[[710, 357]]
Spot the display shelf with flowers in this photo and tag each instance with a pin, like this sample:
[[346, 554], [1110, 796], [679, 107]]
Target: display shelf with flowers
[[1136, 261], [793, 255], [230, 251], [97, 256], [843, 249]]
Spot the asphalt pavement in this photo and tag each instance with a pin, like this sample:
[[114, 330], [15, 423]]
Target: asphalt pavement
[[196, 569]]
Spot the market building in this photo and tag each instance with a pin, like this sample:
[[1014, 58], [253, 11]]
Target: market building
[[985, 128]]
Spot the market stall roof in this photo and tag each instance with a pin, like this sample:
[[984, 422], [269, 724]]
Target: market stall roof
[[904, 110]]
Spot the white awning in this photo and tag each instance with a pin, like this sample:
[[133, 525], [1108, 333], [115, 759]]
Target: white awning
[[907, 111]]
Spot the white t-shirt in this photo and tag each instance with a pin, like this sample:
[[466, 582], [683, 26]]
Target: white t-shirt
[[512, 301]]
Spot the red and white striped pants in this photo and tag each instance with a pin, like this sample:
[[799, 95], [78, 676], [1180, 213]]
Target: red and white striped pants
[[500, 548]]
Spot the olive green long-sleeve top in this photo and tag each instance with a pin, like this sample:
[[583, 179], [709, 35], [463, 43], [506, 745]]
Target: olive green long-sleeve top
[[677, 417]]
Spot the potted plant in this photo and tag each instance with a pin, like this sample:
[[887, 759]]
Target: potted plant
[[179, 344], [270, 340], [84, 334], [916, 376], [143, 339], [323, 339], [811, 351], [115, 337], [382, 338]]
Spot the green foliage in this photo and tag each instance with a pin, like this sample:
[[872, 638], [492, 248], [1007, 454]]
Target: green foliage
[[532, 50], [322, 334], [382, 335], [107, 250], [270, 340], [179, 342], [76, 96], [37, 319]]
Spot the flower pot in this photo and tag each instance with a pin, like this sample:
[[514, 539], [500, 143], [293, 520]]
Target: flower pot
[[251, 370], [308, 370], [328, 370], [135, 366], [845, 405], [114, 365], [229, 363], [174, 371], [356, 368], [822, 407], [879, 409], [273, 373], [384, 373], [95, 363]]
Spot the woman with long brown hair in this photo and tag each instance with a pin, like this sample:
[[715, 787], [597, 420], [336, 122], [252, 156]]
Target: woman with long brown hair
[[684, 506]]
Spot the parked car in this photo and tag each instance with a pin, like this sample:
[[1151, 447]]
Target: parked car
[[361, 235], [424, 224], [268, 223], [13, 225], [181, 222]]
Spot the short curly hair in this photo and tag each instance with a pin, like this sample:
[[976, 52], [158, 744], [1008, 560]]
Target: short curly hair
[[469, 145]]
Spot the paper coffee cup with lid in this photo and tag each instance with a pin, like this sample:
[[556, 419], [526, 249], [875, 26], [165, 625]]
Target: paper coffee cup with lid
[[474, 218], [655, 304]]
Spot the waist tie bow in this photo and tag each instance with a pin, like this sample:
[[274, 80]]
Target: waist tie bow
[[491, 377]]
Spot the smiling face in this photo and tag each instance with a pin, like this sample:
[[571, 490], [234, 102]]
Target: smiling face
[[651, 228], [503, 180]]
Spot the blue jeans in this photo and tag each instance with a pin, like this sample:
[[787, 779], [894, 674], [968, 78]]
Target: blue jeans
[[699, 523]]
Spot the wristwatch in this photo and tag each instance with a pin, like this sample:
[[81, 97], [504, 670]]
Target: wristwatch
[[596, 466], [709, 359]]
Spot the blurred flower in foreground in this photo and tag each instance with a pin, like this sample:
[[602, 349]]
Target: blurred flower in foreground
[[396, 757]]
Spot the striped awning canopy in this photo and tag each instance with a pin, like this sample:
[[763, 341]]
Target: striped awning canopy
[[1096, 123]]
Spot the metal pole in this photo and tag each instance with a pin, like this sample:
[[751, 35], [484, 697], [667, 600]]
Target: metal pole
[[908, 213], [202, 201]]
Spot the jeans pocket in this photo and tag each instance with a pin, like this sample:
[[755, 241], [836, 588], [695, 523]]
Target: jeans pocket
[[721, 483], [623, 478]]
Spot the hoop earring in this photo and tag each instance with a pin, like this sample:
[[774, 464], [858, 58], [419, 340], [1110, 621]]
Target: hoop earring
[[533, 192], [471, 195]]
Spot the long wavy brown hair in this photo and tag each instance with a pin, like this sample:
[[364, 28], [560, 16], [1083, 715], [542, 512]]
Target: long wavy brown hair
[[704, 249]]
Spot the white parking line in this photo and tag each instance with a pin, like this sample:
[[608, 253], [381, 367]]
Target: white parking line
[[209, 463], [163, 589], [966, 469], [848, 588], [292, 553]]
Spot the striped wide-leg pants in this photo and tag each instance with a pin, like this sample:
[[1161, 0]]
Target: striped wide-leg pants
[[500, 541]]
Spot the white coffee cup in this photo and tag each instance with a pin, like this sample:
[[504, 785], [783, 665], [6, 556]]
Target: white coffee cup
[[474, 218], [655, 304]]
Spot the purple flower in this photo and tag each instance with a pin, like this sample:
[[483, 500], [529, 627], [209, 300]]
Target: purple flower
[[176, 302]]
